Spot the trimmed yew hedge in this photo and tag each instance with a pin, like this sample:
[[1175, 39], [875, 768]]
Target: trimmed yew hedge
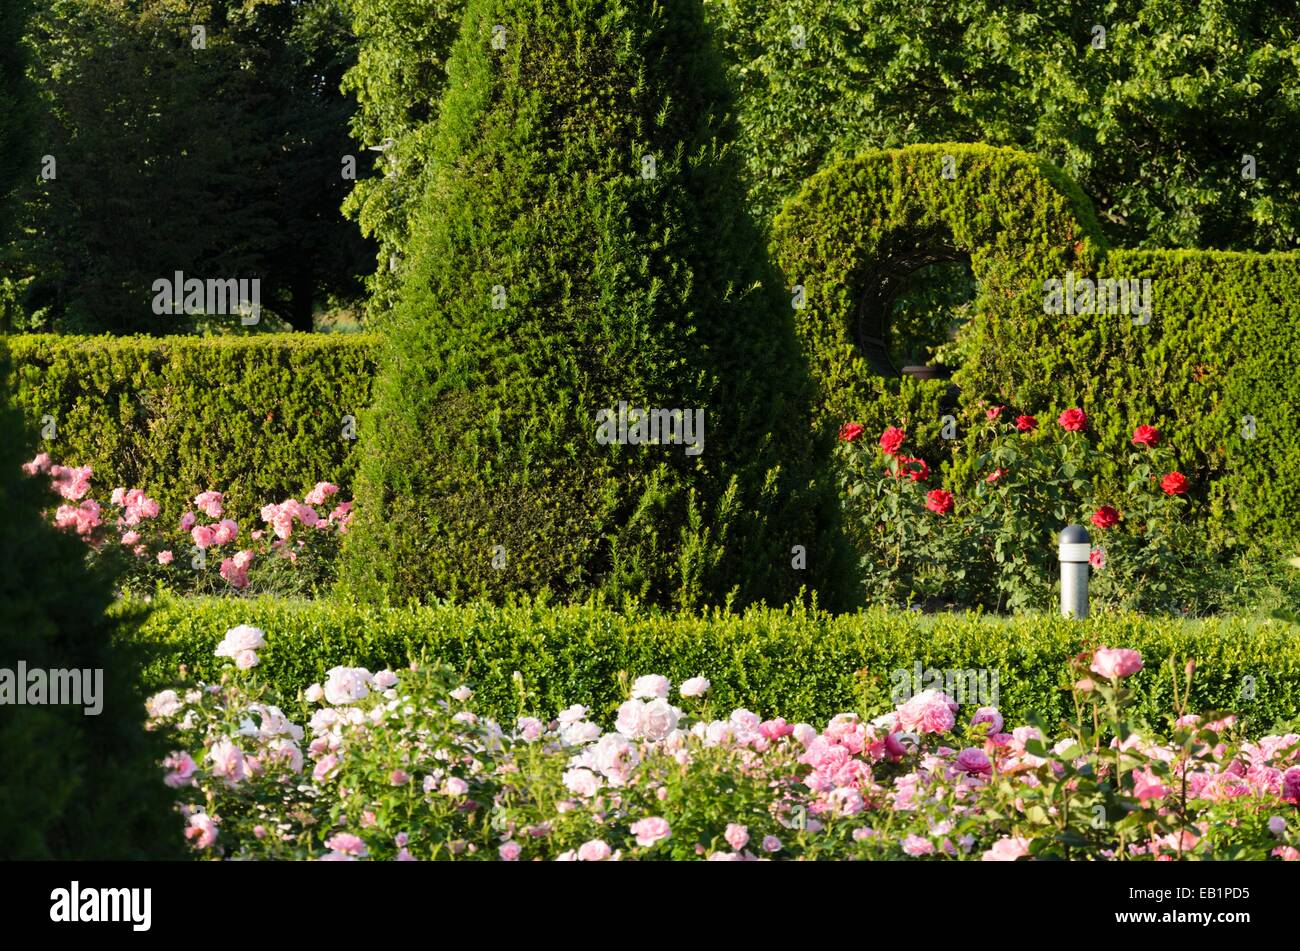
[[798, 663], [258, 417], [1222, 343]]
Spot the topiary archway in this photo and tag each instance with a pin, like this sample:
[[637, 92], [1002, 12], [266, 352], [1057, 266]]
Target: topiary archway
[[862, 224]]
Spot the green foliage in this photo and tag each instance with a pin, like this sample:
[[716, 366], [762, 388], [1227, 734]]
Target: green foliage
[[15, 123], [1153, 126], [74, 786], [796, 663], [259, 418], [398, 80], [618, 285], [218, 162]]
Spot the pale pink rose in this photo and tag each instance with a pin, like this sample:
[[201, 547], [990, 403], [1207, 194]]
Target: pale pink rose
[[325, 767], [130, 538], [916, 846], [804, 733], [864, 833], [695, 687], [650, 687], [347, 843], [593, 851], [454, 786], [227, 761], [1276, 825], [246, 660], [40, 464], [320, 493], [509, 851], [573, 714], [582, 782], [209, 503], [307, 515], [71, 482], [1113, 663], [658, 719], [163, 704], [241, 638], [202, 828], [165, 557], [628, 721], [345, 685], [530, 728], [928, 712], [385, 679], [650, 830], [315, 693], [771, 843], [745, 721], [462, 693], [181, 767], [1007, 849], [737, 835]]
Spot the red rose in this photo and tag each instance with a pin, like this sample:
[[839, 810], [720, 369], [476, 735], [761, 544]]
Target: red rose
[[891, 439], [850, 432], [1073, 420], [1026, 423], [1105, 517], [1175, 483], [938, 501], [1146, 436], [914, 469], [996, 474]]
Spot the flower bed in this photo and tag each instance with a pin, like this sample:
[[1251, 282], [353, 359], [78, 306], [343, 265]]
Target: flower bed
[[398, 765]]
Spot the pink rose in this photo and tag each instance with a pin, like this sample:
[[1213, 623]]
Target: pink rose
[[974, 762], [165, 557], [737, 835], [347, 843], [509, 851], [595, 850], [990, 716], [916, 846], [320, 493], [209, 503], [1007, 849], [650, 830], [928, 712], [1113, 663]]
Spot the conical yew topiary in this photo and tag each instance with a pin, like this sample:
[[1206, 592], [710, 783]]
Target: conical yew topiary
[[583, 244], [79, 779]]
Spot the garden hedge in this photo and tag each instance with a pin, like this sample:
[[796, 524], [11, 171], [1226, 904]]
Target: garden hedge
[[1222, 342], [798, 662], [584, 244], [258, 417]]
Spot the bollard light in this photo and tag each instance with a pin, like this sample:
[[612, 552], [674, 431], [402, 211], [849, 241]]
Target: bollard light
[[1075, 547]]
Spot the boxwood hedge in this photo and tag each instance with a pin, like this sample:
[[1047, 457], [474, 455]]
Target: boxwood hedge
[[800, 663]]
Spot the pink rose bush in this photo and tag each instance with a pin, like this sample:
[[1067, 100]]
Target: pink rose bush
[[293, 551], [395, 766]]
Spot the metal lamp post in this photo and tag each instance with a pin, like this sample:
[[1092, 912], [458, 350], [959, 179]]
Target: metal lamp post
[[1075, 547]]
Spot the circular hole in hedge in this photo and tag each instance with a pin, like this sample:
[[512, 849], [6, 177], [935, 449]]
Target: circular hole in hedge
[[914, 301]]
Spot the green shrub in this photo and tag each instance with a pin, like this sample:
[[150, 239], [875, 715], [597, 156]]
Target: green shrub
[[74, 785], [554, 273], [797, 663], [259, 418]]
